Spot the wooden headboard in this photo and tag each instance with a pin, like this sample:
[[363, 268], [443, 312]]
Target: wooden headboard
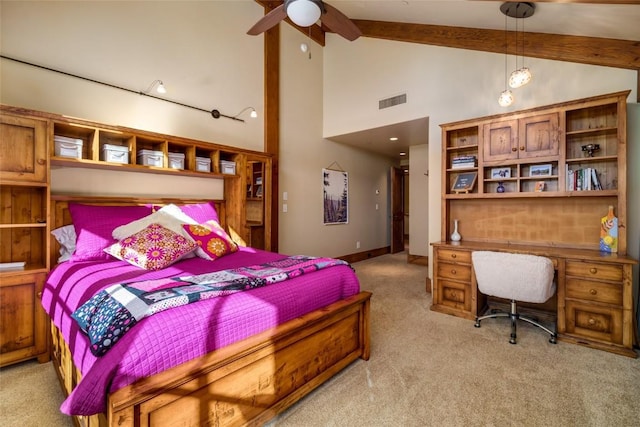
[[59, 211]]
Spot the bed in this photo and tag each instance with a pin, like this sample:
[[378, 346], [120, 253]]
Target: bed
[[174, 368]]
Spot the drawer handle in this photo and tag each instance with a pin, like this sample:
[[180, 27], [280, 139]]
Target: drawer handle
[[592, 321], [453, 255], [593, 291], [593, 270]]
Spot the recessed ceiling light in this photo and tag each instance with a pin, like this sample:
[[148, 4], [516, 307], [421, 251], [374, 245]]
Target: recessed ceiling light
[[402, 153], [393, 138]]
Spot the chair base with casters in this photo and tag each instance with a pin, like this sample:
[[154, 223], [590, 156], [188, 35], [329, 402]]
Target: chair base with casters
[[516, 277], [515, 316]]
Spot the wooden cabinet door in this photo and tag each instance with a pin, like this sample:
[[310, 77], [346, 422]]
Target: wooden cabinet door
[[23, 148], [23, 323], [538, 136], [500, 141]]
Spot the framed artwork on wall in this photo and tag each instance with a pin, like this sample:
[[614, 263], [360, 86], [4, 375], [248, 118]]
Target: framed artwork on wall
[[335, 193]]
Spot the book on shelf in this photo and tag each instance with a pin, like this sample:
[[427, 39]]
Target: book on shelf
[[584, 179], [18, 265], [461, 162], [463, 165]]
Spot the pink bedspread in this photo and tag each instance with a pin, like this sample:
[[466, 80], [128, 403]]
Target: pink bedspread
[[174, 336]]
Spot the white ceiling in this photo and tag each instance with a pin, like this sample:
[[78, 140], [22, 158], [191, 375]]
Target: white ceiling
[[618, 21]]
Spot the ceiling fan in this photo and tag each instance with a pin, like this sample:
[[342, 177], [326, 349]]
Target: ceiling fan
[[305, 13]]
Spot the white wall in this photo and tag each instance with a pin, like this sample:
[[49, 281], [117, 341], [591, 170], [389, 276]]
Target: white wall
[[419, 200], [199, 50], [445, 85], [303, 155]]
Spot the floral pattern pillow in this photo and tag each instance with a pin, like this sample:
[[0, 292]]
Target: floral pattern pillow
[[152, 248], [213, 242]]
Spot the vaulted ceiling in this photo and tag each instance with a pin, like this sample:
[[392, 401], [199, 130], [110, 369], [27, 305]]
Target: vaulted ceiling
[[596, 32]]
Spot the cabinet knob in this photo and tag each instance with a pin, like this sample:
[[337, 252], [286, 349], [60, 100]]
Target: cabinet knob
[[453, 255], [453, 271], [522, 148], [592, 321], [593, 291], [593, 270], [40, 295], [514, 149], [41, 161]]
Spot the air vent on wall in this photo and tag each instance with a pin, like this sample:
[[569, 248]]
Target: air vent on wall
[[394, 100]]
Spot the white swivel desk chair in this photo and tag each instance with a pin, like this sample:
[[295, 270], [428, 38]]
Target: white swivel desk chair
[[517, 277]]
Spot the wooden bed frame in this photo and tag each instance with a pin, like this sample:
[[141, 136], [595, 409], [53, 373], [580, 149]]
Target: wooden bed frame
[[246, 383]]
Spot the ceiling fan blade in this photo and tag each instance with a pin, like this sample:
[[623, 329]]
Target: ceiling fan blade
[[338, 22], [268, 21]]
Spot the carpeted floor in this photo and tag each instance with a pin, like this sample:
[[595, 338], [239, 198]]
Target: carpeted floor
[[426, 369]]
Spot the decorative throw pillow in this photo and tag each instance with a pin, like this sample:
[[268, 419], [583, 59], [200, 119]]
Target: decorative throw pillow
[[169, 216], [213, 242], [201, 212], [66, 237], [152, 248], [94, 225], [236, 237]]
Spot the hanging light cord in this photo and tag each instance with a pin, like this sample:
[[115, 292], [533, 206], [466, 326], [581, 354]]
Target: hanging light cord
[[215, 113]]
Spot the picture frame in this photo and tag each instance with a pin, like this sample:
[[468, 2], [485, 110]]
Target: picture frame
[[464, 182], [500, 173], [540, 186], [540, 170], [335, 189]]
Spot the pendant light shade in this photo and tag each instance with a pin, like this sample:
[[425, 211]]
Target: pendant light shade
[[506, 98], [520, 77], [303, 13]]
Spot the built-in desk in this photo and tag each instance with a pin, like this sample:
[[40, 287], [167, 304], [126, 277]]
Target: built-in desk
[[594, 291]]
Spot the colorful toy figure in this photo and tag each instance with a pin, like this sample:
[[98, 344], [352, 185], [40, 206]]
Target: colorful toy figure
[[609, 232]]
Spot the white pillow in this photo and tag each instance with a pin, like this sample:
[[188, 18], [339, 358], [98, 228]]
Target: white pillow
[[66, 237], [170, 216]]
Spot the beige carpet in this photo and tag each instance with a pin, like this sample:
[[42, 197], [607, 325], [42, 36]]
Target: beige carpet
[[426, 369]]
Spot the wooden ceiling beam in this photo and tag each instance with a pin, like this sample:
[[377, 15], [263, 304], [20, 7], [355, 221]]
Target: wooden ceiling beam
[[586, 50]]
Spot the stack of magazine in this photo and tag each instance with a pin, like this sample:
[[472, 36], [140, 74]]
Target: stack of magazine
[[462, 162]]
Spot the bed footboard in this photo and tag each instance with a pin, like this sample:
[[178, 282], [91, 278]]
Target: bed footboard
[[246, 383]]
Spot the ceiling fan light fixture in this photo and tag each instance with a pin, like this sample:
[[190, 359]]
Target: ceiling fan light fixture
[[303, 13]]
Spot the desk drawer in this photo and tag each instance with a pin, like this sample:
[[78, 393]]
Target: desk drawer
[[608, 293], [594, 322], [594, 270], [454, 256], [454, 271], [454, 295]]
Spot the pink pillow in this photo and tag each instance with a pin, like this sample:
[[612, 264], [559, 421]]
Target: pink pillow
[[94, 225], [213, 242], [201, 212], [152, 248]]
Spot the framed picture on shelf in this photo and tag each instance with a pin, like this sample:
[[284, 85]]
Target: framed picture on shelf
[[464, 182], [499, 173], [540, 170], [540, 186]]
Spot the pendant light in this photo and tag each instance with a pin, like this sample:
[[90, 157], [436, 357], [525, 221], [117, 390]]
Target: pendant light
[[520, 10], [506, 97]]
